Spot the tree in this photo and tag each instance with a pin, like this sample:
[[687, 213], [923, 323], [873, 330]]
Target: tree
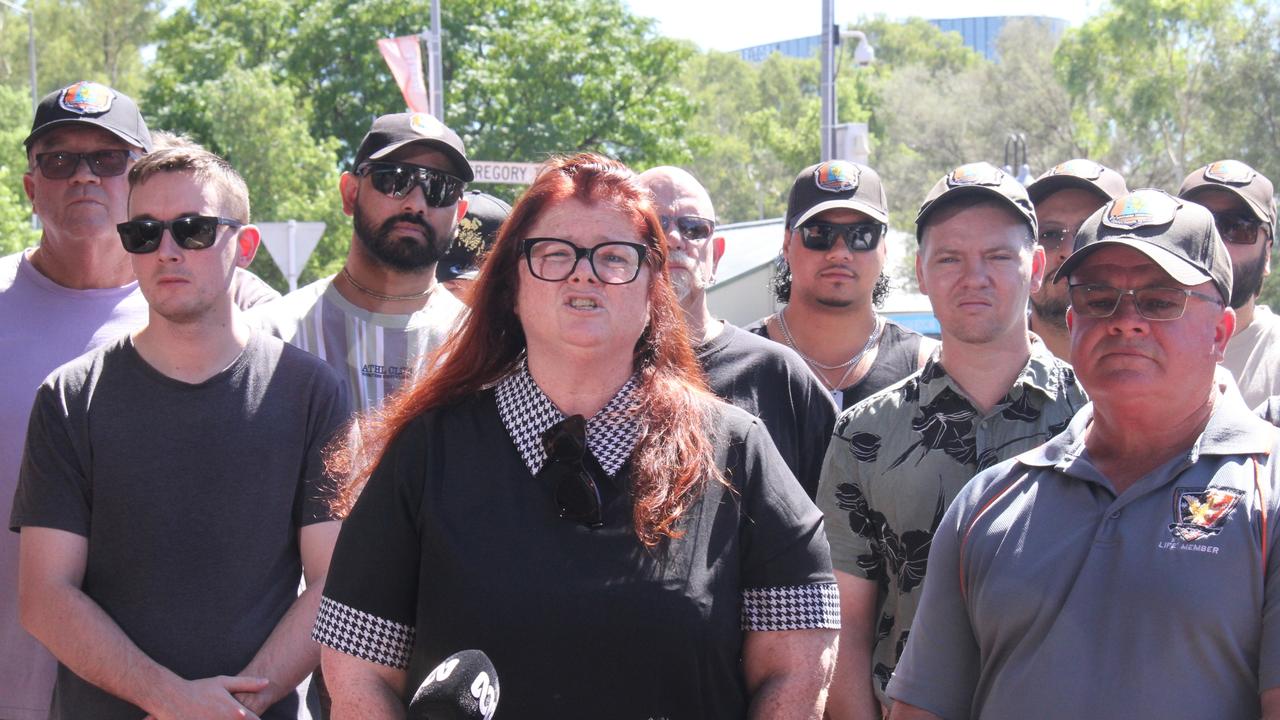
[[16, 232]]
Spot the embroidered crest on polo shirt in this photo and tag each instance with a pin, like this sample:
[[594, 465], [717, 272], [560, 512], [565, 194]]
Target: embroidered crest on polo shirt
[[86, 97], [1081, 168], [1141, 208], [837, 176], [425, 124], [979, 173], [1230, 172], [1202, 513]]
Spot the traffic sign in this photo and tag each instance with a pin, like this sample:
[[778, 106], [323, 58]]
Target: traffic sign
[[506, 173], [290, 244]]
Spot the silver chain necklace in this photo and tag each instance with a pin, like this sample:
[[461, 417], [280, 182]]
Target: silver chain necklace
[[849, 364]]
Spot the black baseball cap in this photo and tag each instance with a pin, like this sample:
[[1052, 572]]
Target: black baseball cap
[[1177, 234], [978, 181], [91, 103], [476, 233], [1240, 180], [1079, 174], [392, 132], [836, 184]]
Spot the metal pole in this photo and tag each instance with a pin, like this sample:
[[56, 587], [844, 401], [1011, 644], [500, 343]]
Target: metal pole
[[293, 271], [31, 59], [434, 64], [826, 84]]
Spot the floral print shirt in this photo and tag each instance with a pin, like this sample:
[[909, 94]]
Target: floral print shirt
[[899, 458]]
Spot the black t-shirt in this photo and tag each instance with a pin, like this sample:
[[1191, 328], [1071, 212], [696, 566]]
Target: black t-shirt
[[454, 544], [898, 356], [771, 382], [191, 497]]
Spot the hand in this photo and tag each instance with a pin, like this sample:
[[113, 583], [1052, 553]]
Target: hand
[[256, 702], [209, 699]]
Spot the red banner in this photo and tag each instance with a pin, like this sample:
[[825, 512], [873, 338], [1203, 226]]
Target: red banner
[[404, 57]]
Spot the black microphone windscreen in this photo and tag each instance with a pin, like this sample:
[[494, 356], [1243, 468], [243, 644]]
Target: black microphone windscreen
[[463, 687]]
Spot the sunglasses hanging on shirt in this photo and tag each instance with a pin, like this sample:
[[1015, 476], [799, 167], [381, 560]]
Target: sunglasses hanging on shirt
[[576, 491]]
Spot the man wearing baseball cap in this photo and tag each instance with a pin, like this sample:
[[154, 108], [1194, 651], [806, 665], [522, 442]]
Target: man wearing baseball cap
[[897, 459], [1064, 197], [1127, 568], [831, 277], [1243, 205], [376, 318], [475, 234]]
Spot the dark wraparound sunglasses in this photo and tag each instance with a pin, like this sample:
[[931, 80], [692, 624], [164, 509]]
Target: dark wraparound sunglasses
[[395, 180], [103, 163], [1237, 229], [190, 232], [858, 237], [692, 228], [576, 491]]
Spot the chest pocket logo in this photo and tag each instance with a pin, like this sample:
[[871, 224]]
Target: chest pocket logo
[[1202, 513]]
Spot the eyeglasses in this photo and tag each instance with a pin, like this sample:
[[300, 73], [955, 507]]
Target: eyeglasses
[[858, 237], [576, 492], [1152, 303], [1237, 229], [1051, 240], [191, 232], [102, 163], [396, 180], [692, 228], [553, 259]]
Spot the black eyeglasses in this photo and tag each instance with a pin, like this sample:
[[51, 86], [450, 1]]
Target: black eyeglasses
[[553, 259], [1237, 229], [575, 491], [1053, 239], [103, 163], [396, 180], [858, 237], [1153, 303], [692, 228], [191, 232]]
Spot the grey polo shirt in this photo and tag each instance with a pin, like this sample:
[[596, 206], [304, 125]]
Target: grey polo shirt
[[1050, 597]]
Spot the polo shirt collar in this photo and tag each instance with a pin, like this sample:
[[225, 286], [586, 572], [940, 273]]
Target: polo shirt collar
[[527, 412]]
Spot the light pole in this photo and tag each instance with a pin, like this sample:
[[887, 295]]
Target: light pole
[[31, 49], [863, 54]]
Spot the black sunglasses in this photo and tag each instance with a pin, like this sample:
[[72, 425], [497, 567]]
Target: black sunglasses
[[396, 180], [575, 491], [1237, 229], [692, 228], [103, 163], [858, 237], [191, 232]]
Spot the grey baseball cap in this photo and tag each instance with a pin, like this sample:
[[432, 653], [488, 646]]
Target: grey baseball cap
[[1178, 235], [1238, 179], [1081, 174], [392, 132], [978, 181], [836, 184]]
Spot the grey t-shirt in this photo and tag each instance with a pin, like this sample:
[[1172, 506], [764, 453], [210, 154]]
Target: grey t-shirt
[[191, 497]]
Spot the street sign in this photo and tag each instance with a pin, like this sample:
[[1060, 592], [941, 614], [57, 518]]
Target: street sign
[[506, 173], [290, 244]]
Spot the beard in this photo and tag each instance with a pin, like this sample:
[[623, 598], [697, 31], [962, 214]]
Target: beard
[[1246, 281], [687, 274], [404, 253], [1051, 310]]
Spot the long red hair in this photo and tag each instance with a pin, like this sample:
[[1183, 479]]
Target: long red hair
[[673, 458]]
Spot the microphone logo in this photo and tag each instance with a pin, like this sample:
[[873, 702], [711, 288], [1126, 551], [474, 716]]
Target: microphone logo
[[486, 694]]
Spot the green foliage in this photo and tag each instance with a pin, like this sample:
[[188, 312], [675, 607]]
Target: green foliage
[[15, 211]]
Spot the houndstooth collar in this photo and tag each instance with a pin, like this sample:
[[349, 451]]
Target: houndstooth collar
[[527, 412]]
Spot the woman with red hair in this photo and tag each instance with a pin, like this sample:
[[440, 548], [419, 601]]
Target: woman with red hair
[[563, 493]]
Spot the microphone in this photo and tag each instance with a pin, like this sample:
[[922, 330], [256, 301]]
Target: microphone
[[463, 687]]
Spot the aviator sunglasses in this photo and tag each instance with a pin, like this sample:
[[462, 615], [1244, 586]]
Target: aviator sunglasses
[[102, 163], [190, 232], [692, 228], [858, 237], [395, 180]]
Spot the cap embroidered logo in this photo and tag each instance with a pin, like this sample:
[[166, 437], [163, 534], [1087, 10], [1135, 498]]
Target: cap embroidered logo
[[1084, 169], [86, 97], [1141, 208], [837, 176], [1231, 172], [975, 174], [425, 124]]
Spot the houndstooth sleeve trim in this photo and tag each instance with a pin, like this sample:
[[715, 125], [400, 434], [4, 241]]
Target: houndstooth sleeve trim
[[363, 635], [794, 607]]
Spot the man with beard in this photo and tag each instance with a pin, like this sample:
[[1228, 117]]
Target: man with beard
[[1244, 209], [1064, 197], [898, 458], [831, 276], [761, 377], [375, 319]]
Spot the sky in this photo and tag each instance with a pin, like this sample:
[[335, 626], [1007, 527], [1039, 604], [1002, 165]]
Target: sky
[[729, 25]]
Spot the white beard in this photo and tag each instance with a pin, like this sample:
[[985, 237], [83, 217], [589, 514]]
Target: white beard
[[683, 278]]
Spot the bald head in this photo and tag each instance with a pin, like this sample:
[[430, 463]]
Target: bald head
[[688, 220], [673, 186]]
